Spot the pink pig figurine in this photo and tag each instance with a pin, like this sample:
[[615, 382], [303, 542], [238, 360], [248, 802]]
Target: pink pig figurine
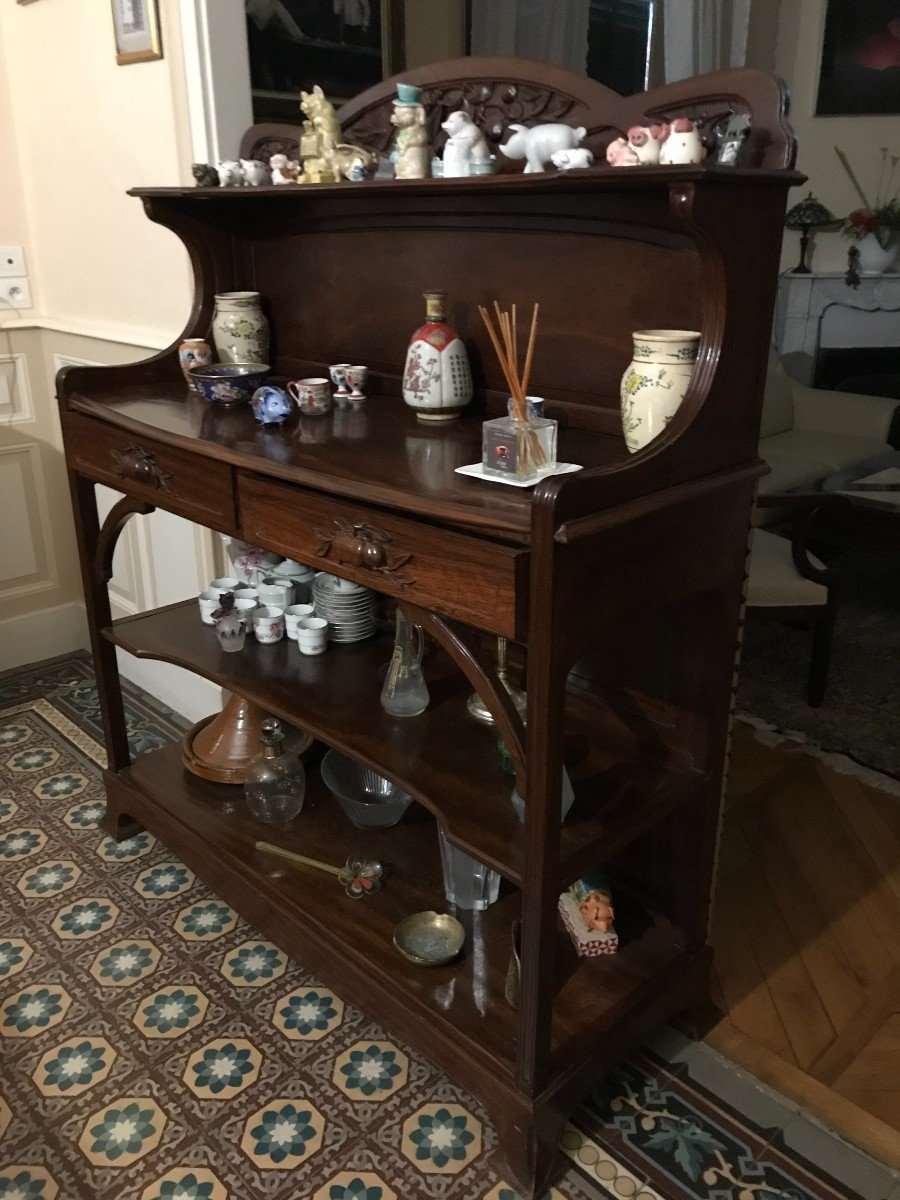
[[620, 154], [646, 141], [683, 144]]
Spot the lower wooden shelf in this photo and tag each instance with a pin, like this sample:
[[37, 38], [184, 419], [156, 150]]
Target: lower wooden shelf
[[456, 1014]]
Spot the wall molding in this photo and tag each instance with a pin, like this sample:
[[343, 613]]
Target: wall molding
[[50, 578], [143, 339], [217, 76], [23, 411], [45, 633]]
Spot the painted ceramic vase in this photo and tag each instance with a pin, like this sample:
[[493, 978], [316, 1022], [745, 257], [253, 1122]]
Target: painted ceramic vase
[[874, 259], [437, 381], [655, 382], [240, 329], [193, 352]]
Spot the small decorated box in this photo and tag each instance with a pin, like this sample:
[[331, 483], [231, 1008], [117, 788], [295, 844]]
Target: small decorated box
[[587, 913]]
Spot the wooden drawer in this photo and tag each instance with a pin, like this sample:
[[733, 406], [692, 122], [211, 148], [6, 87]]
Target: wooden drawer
[[188, 484], [480, 582]]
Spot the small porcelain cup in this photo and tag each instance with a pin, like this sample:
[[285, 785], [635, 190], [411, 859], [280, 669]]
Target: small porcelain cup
[[226, 584], [356, 377], [275, 591], [246, 591], [312, 635], [209, 602], [247, 606], [268, 624], [339, 377], [293, 616], [312, 396]]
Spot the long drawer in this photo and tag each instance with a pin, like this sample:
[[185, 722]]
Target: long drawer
[[191, 485], [481, 582]]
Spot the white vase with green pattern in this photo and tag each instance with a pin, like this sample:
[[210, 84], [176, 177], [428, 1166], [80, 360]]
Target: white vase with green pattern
[[655, 382], [240, 329]]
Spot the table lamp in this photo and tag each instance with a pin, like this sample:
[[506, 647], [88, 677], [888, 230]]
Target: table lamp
[[808, 214]]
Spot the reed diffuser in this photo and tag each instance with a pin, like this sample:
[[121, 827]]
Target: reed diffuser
[[521, 445]]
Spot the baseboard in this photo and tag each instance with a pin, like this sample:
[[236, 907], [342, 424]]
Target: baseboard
[[44, 633]]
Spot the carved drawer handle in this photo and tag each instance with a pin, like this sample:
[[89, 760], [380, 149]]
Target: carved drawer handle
[[134, 462], [356, 544]]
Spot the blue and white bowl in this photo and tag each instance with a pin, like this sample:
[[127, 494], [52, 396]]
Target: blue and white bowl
[[229, 383]]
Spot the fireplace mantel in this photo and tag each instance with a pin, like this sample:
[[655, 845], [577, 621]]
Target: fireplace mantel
[[821, 310]]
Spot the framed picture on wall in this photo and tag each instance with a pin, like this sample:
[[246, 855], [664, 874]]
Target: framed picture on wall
[[860, 71], [343, 45], [136, 24]]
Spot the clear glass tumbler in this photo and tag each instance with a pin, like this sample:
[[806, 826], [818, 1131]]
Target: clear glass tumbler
[[468, 883]]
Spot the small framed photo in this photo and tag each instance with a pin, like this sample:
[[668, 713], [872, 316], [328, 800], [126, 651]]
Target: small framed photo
[[136, 23]]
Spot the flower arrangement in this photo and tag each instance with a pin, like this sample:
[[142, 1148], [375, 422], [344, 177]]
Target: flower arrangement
[[881, 218]]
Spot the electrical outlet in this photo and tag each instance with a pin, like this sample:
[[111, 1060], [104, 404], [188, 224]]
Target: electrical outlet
[[12, 261], [14, 293]]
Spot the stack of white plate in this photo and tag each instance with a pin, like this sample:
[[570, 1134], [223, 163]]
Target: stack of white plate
[[349, 608]]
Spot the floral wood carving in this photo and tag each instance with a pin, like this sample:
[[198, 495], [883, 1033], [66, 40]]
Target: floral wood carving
[[492, 105], [139, 465], [356, 544], [267, 146]]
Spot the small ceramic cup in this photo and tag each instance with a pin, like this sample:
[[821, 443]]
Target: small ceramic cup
[[226, 584], [338, 373], [209, 601], [293, 616], [268, 623], [312, 635], [246, 591], [276, 591], [247, 607], [356, 377], [312, 396]]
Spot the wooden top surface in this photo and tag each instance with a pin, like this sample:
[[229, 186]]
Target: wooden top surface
[[376, 451]]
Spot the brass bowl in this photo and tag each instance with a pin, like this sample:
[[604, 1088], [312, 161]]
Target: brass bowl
[[429, 939]]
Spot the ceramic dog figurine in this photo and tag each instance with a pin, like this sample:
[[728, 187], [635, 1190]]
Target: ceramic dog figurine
[[538, 144], [466, 144]]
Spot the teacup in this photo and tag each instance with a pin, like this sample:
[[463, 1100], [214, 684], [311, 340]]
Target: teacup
[[356, 377], [226, 584], [338, 373], [293, 616], [312, 396], [209, 601], [312, 635], [276, 591], [268, 624], [247, 606], [246, 591]]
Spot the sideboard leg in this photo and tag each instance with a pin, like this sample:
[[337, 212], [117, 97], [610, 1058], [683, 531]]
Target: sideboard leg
[[109, 690], [529, 1145]]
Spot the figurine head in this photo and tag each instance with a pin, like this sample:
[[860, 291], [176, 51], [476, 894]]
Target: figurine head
[[682, 125], [405, 116], [457, 122]]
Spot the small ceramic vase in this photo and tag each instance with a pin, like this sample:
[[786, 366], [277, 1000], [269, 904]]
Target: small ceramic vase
[[194, 352], [874, 259], [240, 329], [437, 381], [356, 377], [655, 382]]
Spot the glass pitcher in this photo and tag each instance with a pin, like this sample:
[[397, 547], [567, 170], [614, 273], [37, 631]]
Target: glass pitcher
[[405, 693]]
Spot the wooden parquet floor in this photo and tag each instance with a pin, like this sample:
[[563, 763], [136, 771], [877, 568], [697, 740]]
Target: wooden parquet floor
[[806, 929]]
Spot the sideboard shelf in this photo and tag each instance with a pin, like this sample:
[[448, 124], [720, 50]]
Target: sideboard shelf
[[443, 758]]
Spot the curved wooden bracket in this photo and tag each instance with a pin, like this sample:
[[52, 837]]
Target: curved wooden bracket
[[483, 678], [109, 534]]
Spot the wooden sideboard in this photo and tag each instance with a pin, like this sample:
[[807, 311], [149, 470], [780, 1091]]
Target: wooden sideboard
[[620, 585]]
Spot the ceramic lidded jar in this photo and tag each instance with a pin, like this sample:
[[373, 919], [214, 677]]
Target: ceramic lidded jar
[[240, 329], [437, 381], [655, 382]]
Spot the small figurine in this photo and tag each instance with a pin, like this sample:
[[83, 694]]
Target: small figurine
[[356, 172], [730, 139], [646, 141], [683, 145], [284, 169], [588, 915], [620, 153], [538, 144], [466, 145], [271, 405], [205, 175], [411, 154], [353, 162], [256, 173], [322, 122], [570, 160], [230, 174]]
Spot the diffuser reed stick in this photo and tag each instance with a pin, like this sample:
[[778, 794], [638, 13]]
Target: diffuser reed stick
[[505, 340]]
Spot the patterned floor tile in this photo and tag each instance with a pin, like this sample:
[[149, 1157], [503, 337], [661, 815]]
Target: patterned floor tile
[[125, 962], [35, 1008], [355, 1185], [21, 1181], [223, 1068], [49, 878], [62, 786], [282, 1134], [171, 1012], [35, 758], [14, 956], [206, 921], [74, 1066], [308, 1014], [441, 1138], [186, 1183], [254, 964], [85, 918], [8, 809], [16, 844], [371, 1070], [122, 1132]]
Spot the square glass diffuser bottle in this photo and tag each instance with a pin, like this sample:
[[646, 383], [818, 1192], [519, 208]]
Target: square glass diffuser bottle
[[524, 450]]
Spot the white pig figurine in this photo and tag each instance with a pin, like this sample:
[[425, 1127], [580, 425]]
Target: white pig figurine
[[683, 144], [568, 160], [647, 141], [230, 173], [465, 144], [538, 144], [256, 173]]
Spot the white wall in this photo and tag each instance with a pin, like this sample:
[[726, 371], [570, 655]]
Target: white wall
[[801, 28]]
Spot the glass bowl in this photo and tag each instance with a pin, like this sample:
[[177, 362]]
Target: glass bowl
[[369, 800]]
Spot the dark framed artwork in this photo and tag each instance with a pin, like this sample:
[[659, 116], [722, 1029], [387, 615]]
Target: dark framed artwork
[[343, 45], [860, 71]]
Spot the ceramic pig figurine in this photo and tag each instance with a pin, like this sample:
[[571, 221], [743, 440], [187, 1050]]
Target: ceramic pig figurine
[[466, 144], [205, 175], [683, 144], [284, 169], [230, 174], [620, 153], [271, 405], [256, 173], [538, 144], [568, 160], [646, 141]]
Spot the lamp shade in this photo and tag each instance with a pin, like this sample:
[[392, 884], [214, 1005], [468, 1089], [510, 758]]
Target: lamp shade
[[808, 214]]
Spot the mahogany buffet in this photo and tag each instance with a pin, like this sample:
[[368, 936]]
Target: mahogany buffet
[[619, 586]]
